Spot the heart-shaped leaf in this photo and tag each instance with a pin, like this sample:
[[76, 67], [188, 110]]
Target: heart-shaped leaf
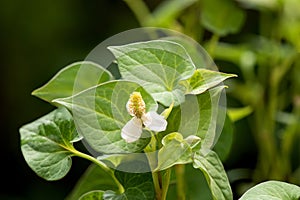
[[215, 175], [158, 66], [198, 55], [199, 115], [221, 17], [73, 79], [136, 185], [46, 144], [272, 190], [100, 113]]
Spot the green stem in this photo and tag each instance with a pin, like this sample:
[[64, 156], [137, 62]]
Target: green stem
[[156, 183], [212, 45], [156, 177], [140, 10], [100, 164], [165, 183], [179, 171]]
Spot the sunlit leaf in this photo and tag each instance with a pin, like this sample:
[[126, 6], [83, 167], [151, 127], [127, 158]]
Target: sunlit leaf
[[158, 66], [204, 79], [215, 175], [73, 79], [46, 144], [100, 113], [272, 190], [198, 55], [221, 17]]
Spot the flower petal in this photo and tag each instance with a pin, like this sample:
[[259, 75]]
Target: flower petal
[[154, 121], [132, 130]]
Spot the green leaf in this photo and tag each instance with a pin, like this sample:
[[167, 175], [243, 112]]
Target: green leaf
[[272, 190], [114, 160], [198, 54], [221, 17], [215, 174], [46, 144], [73, 79], [158, 66], [137, 185], [168, 11], [204, 79], [223, 146], [199, 115], [195, 185], [92, 195], [94, 178], [100, 113], [175, 150]]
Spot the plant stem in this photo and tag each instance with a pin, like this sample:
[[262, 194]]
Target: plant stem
[[179, 171], [156, 183], [212, 45], [140, 10], [165, 183], [156, 177], [100, 164]]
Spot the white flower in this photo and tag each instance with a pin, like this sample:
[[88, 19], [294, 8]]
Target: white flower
[[133, 129]]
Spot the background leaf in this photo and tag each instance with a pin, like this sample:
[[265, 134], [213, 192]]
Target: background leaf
[[221, 17], [94, 178], [157, 65], [100, 113], [46, 144], [73, 79], [137, 185], [272, 190], [195, 185], [223, 146], [165, 14], [215, 175]]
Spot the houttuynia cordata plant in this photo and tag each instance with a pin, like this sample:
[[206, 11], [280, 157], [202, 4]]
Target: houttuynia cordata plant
[[150, 132]]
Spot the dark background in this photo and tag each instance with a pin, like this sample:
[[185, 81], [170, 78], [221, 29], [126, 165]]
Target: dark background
[[37, 39]]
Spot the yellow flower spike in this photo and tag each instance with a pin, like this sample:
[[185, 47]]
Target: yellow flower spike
[[133, 129], [136, 105]]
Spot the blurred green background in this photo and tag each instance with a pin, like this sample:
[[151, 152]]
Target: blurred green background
[[257, 40]]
